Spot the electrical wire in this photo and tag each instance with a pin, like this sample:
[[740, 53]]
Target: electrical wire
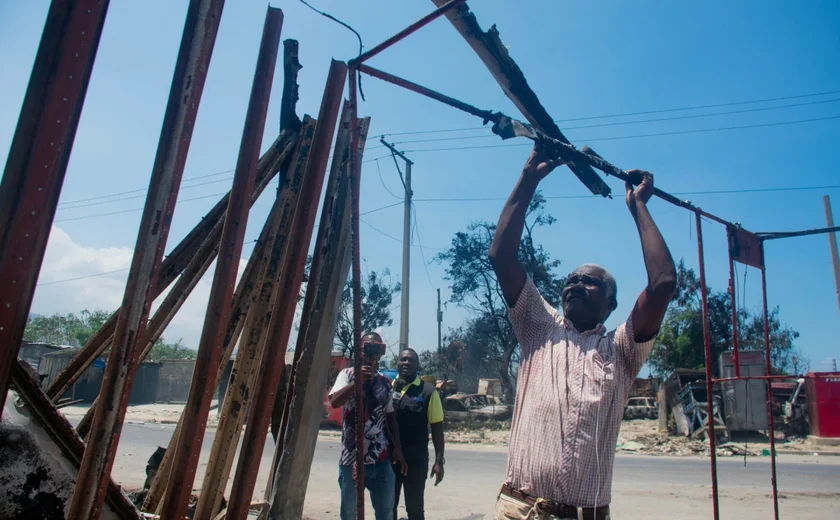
[[628, 114], [347, 26], [637, 136], [379, 171], [622, 123], [416, 231]]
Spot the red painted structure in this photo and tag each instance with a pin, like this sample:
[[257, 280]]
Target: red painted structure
[[824, 403]]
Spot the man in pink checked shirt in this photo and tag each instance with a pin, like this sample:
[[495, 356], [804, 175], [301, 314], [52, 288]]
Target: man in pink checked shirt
[[574, 378]]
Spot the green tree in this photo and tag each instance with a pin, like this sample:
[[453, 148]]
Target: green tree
[[378, 291], [65, 329], [475, 288], [177, 350], [680, 341]]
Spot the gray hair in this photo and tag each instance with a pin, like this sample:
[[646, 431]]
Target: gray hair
[[609, 281]]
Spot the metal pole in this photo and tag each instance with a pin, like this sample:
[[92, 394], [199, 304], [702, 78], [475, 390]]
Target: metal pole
[[210, 347], [38, 160], [773, 480], [708, 352], [439, 322], [437, 13], [832, 244], [282, 315], [197, 41], [733, 302], [406, 259], [355, 195]]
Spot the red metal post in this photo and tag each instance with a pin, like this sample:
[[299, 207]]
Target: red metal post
[[355, 195], [437, 13], [194, 55], [210, 346], [734, 302], [282, 316], [773, 481], [38, 160], [708, 351]]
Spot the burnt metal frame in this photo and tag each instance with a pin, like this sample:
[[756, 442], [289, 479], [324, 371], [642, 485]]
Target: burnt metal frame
[[567, 152]]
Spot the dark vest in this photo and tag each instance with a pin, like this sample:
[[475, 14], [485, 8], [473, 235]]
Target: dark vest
[[413, 419]]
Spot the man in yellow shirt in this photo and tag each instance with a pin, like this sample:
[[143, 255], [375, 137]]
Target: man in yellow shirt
[[418, 407]]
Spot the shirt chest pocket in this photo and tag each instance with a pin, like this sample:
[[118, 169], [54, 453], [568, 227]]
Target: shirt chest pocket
[[599, 379], [411, 404]]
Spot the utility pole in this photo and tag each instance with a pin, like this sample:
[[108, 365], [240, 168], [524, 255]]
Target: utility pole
[[406, 260], [832, 244], [439, 321]]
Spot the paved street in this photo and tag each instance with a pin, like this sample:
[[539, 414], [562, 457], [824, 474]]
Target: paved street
[[644, 487]]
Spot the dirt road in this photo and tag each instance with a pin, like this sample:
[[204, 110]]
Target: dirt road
[[645, 487]]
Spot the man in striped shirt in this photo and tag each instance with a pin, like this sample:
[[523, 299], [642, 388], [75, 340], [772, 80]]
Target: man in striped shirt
[[574, 378]]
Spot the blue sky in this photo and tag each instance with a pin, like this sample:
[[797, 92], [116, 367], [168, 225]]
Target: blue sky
[[584, 59]]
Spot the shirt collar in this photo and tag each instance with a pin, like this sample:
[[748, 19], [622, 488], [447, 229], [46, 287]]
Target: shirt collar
[[416, 382], [599, 329]]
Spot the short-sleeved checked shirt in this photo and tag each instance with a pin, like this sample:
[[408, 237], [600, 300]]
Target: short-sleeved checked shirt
[[572, 388]]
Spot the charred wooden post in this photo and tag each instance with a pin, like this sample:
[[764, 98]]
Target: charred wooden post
[[509, 76], [251, 349], [283, 311], [330, 267], [38, 159], [227, 267], [62, 432], [197, 43]]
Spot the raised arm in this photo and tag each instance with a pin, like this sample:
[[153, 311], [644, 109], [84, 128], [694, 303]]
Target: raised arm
[[651, 305], [505, 247]]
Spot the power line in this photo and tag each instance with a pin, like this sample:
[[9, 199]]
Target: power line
[[420, 243], [140, 189], [621, 123], [638, 136], [627, 114], [142, 195], [392, 237], [379, 171], [83, 277]]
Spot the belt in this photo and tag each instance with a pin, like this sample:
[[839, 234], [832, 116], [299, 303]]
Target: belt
[[557, 509]]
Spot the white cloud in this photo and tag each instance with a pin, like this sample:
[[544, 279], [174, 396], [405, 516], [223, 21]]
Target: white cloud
[[66, 259]]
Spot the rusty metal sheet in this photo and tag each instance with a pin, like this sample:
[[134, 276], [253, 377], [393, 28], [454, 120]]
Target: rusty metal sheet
[[745, 247]]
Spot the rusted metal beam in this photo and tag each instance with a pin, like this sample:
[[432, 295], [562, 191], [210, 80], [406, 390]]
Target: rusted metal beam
[[38, 159], [243, 298], [252, 347], [328, 274], [772, 431], [707, 350], [509, 76], [191, 66], [227, 267], [209, 229], [65, 437], [486, 115], [356, 263], [443, 8], [283, 312]]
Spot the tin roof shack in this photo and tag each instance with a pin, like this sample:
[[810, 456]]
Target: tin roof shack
[[671, 418], [824, 406], [86, 388], [744, 402], [32, 352]]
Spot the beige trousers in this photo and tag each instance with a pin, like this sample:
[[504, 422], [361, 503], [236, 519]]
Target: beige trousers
[[509, 508]]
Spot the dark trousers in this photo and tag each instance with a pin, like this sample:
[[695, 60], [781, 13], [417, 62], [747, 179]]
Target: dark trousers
[[414, 485]]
